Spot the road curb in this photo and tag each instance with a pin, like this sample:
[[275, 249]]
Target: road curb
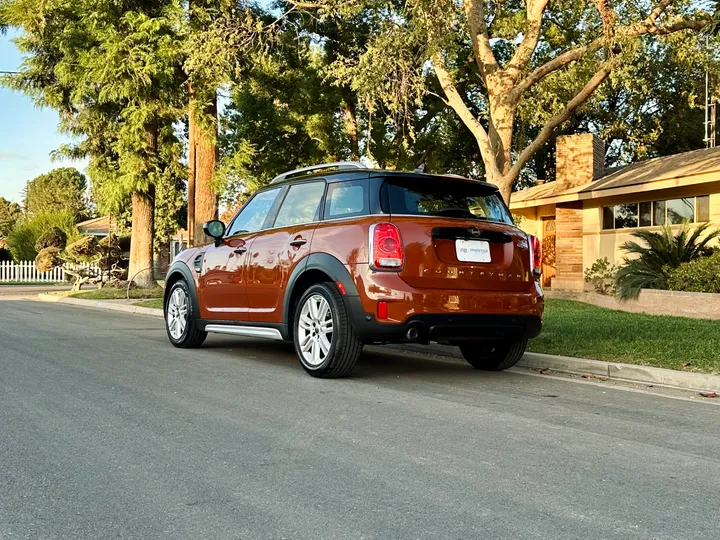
[[651, 376], [647, 375], [101, 304]]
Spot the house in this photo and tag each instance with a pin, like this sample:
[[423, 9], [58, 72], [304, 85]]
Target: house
[[101, 227], [588, 212]]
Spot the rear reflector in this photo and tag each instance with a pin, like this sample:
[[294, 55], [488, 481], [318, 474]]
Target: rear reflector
[[341, 287], [386, 248], [382, 310]]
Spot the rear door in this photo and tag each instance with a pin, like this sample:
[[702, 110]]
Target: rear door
[[457, 235], [276, 251]]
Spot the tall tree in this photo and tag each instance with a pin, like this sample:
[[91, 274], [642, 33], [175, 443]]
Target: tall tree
[[60, 189], [492, 59], [298, 104], [110, 68], [10, 213]]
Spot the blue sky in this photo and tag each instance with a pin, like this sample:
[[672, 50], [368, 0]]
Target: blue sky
[[27, 134]]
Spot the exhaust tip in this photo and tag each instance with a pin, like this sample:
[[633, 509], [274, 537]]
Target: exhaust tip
[[412, 334]]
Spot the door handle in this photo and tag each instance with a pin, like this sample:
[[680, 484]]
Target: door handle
[[240, 250], [298, 242]]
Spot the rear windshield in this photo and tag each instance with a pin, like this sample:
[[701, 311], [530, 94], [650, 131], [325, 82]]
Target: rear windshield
[[416, 196]]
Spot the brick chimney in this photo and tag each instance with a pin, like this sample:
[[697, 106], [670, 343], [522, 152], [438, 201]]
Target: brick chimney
[[580, 159]]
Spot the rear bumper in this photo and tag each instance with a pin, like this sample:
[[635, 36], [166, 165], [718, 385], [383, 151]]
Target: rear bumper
[[441, 327]]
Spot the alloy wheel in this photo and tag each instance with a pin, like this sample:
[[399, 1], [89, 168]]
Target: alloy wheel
[[177, 313], [315, 330]]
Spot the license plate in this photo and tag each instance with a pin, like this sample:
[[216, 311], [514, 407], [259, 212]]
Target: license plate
[[472, 250]]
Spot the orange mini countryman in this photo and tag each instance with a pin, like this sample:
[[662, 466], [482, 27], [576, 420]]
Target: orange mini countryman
[[334, 256]]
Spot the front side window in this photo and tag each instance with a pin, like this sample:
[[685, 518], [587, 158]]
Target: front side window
[[301, 204], [465, 200], [252, 216]]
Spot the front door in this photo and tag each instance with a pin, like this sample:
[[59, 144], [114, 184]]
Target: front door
[[222, 281], [222, 286], [276, 251], [548, 250]]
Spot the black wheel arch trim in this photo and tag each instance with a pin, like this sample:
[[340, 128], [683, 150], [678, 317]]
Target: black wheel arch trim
[[183, 269], [327, 264]]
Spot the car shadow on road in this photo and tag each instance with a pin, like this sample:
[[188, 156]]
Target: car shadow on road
[[376, 362]]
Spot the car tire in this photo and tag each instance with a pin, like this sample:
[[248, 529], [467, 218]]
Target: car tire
[[180, 320], [493, 355], [321, 353]]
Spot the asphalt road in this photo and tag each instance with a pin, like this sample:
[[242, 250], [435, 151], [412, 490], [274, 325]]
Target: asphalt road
[[106, 431]]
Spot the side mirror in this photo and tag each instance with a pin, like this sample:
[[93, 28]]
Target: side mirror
[[215, 229]]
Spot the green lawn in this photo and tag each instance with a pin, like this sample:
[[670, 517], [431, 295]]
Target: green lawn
[[156, 303], [114, 294], [577, 329]]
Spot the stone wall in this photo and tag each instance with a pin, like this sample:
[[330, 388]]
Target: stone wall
[[568, 246], [652, 302]]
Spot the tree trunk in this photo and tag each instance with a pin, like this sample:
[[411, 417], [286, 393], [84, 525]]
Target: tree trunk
[[141, 241], [205, 136], [352, 129], [191, 170], [500, 131], [142, 237]]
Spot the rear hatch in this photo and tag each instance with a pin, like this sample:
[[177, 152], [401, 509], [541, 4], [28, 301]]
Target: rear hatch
[[457, 234]]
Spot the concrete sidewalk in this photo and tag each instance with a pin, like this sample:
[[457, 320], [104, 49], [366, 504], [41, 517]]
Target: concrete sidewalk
[[651, 376]]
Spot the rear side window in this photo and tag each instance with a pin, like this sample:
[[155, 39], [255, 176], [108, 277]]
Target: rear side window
[[421, 197], [301, 204], [346, 199], [252, 216]]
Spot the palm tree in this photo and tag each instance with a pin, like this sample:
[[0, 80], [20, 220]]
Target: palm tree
[[664, 252]]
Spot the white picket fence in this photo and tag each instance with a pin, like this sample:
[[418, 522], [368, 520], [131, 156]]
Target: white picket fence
[[25, 272]]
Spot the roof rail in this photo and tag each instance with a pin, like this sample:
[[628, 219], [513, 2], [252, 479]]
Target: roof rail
[[339, 165]]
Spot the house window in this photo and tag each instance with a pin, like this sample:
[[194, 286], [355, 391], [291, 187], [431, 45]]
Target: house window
[[626, 216], [659, 208], [645, 214], [657, 213], [680, 210], [608, 217], [702, 208]]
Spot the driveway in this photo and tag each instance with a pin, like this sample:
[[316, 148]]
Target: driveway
[[106, 431]]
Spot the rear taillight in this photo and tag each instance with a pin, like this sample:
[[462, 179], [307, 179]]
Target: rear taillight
[[386, 248], [535, 256]]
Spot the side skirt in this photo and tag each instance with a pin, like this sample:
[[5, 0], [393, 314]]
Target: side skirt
[[246, 329]]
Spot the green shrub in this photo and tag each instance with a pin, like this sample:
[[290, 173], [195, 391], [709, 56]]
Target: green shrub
[[699, 275], [602, 276], [664, 252], [84, 250], [24, 237], [55, 237], [48, 259]]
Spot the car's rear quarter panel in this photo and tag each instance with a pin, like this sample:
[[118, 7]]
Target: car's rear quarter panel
[[347, 240]]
